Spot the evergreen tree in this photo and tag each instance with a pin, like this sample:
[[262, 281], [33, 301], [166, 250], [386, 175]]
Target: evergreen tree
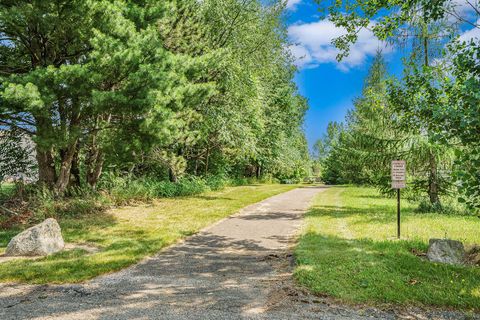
[[151, 88]]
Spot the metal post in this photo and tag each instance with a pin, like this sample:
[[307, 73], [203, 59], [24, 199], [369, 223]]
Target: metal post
[[398, 213]]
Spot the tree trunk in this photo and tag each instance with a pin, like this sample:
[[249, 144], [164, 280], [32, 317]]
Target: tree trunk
[[433, 188], [433, 183], [95, 171], [95, 160], [95, 156], [206, 160], [44, 153], [258, 172], [65, 167], [75, 171], [46, 167], [172, 176]]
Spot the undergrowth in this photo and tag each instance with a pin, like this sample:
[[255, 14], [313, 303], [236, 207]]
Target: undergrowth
[[34, 204]]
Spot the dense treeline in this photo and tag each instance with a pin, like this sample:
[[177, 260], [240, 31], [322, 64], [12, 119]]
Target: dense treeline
[[430, 117], [160, 89]]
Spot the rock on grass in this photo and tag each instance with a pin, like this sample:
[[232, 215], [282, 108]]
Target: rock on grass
[[40, 240], [446, 251]]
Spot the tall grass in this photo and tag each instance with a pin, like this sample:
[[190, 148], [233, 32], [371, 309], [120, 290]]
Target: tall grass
[[122, 190], [115, 190]]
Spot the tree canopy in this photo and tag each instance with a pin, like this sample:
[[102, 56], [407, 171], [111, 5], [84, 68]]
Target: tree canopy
[[160, 88], [433, 110]]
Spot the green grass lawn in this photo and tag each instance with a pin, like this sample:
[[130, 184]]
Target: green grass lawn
[[128, 234], [347, 251]]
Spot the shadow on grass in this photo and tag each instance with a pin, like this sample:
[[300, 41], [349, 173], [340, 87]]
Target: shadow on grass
[[363, 270], [76, 264], [79, 265], [76, 228]]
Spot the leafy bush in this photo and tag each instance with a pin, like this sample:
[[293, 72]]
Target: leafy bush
[[449, 205], [290, 181], [217, 182], [123, 190], [166, 189], [190, 186]]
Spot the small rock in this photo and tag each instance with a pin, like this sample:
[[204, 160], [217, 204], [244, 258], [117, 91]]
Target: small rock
[[446, 251], [40, 240]]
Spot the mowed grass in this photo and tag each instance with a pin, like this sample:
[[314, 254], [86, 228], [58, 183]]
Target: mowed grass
[[347, 251], [126, 235]]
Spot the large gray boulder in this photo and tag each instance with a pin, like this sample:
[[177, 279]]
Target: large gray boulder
[[446, 251], [40, 240]]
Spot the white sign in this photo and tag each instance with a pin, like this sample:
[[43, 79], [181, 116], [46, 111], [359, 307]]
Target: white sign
[[398, 170], [398, 184]]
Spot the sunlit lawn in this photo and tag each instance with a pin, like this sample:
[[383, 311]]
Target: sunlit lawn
[[347, 251], [129, 234]]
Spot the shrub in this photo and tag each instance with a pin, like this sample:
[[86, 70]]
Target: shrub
[[290, 181], [191, 186], [165, 189], [448, 205], [145, 189], [217, 182]]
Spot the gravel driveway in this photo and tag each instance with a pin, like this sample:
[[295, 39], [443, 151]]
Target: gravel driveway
[[238, 268]]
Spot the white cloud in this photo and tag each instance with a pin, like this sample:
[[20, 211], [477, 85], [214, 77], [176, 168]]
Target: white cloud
[[463, 6], [313, 45], [302, 56], [292, 4], [459, 11], [471, 34]]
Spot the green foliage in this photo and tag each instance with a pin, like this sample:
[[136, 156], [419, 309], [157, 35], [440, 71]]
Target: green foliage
[[442, 99], [113, 190], [449, 205], [43, 204], [454, 116], [151, 88], [7, 190], [361, 150]]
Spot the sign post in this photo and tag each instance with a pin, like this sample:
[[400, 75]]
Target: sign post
[[398, 182]]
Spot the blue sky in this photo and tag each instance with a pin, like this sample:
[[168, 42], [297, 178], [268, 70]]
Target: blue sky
[[328, 85]]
